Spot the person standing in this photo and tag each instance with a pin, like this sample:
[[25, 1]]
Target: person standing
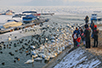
[[92, 28], [96, 31], [82, 35], [75, 36], [81, 30], [86, 19], [83, 38], [87, 37]]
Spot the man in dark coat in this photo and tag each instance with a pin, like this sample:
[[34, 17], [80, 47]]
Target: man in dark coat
[[92, 28], [86, 19], [87, 36], [96, 31]]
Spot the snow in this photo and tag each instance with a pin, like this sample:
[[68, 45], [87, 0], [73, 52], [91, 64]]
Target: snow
[[19, 34], [100, 28], [4, 18], [78, 59]]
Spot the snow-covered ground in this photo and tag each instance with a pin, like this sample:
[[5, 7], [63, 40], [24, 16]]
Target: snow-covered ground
[[19, 34], [4, 18], [100, 28], [79, 58]]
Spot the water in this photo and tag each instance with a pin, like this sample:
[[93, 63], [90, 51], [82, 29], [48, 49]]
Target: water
[[63, 15], [9, 60]]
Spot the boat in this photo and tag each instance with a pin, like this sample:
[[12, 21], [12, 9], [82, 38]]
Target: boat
[[47, 14], [29, 12], [8, 12], [18, 15], [29, 19], [12, 23], [95, 18]]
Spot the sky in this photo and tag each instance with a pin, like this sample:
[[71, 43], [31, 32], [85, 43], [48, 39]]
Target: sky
[[50, 2]]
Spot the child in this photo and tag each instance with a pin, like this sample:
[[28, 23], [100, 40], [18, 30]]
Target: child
[[78, 40]]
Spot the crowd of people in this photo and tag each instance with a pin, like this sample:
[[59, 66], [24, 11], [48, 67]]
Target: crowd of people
[[84, 34]]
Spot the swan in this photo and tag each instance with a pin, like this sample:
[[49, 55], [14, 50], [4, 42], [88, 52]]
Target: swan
[[47, 58], [34, 54], [41, 54], [29, 61], [32, 47], [38, 58], [46, 52], [9, 39]]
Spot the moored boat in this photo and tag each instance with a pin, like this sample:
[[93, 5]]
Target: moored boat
[[8, 12], [12, 23], [29, 19], [94, 17]]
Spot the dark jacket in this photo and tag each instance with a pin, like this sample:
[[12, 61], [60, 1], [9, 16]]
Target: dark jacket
[[96, 31], [92, 26], [86, 25], [81, 31], [77, 31], [87, 34], [86, 19]]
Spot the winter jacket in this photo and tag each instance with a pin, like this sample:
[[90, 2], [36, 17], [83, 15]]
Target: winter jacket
[[77, 31], [87, 34], [96, 31]]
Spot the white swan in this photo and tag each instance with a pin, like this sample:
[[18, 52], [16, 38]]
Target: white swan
[[47, 58], [33, 47], [38, 59], [34, 54], [29, 61]]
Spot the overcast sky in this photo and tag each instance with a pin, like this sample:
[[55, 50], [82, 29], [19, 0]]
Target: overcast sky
[[51, 2]]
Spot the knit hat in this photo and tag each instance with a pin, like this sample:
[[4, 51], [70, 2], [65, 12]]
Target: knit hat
[[76, 28], [95, 26]]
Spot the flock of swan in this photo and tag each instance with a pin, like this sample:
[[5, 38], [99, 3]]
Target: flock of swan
[[55, 42], [46, 42]]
